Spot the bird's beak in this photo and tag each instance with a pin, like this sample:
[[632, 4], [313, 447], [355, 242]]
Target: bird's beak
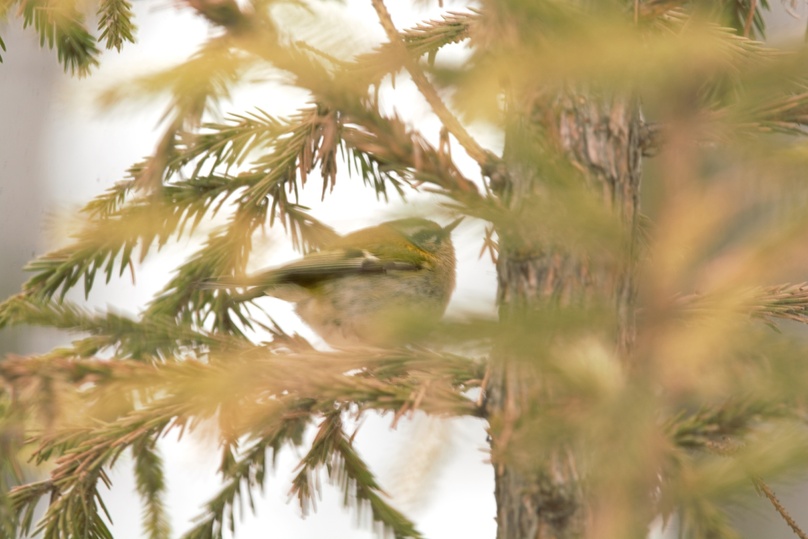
[[451, 226]]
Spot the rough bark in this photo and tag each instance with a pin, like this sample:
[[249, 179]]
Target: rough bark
[[544, 497]]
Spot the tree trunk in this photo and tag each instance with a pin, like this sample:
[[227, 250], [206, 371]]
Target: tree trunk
[[540, 494]]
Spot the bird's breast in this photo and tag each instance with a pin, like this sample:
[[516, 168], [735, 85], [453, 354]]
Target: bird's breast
[[387, 308]]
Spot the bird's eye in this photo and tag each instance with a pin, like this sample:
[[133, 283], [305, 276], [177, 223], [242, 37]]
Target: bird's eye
[[426, 234], [428, 239]]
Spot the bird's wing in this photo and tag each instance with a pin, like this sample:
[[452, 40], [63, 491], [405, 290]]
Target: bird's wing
[[329, 264], [311, 270]]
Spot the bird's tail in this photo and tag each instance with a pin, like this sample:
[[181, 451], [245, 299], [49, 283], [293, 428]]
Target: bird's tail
[[242, 288], [248, 287], [224, 283]]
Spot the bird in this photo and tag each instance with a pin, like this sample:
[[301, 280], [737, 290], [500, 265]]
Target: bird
[[380, 286]]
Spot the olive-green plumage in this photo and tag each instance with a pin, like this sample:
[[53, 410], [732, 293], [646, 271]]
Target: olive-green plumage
[[380, 285]]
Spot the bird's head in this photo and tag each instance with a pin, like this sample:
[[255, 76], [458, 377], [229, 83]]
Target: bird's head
[[425, 234]]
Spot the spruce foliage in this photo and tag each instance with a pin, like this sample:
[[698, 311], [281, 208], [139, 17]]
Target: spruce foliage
[[707, 404]]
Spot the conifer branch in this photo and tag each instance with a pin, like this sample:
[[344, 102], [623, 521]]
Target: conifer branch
[[424, 39], [152, 339], [277, 397], [226, 250], [332, 449], [785, 302], [117, 227], [151, 485], [223, 254], [764, 488], [334, 97], [112, 200], [743, 18], [703, 519], [391, 143], [76, 506], [225, 13], [715, 427], [115, 23], [244, 473], [483, 157], [194, 85], [722, 432], [61, 25], [106, 244], [392, 380], [97, 248], [108, 241], [253, 165], [785, 111], [230, 143], [786, 114], [308, 75]]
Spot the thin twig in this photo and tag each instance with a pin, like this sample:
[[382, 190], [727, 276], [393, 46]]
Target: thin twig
[[747, 27], [477, 152], [483, 387], [764, 488]]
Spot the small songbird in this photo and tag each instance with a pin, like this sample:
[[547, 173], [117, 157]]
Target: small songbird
[[380, 286]]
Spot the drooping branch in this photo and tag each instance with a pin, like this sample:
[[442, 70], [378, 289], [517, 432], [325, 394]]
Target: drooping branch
[[483, 157], [278, 395]]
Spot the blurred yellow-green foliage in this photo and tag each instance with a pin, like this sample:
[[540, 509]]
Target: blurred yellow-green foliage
[[647, 212]]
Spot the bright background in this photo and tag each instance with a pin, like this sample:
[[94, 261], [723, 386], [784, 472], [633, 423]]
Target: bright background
[[58, 149]]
